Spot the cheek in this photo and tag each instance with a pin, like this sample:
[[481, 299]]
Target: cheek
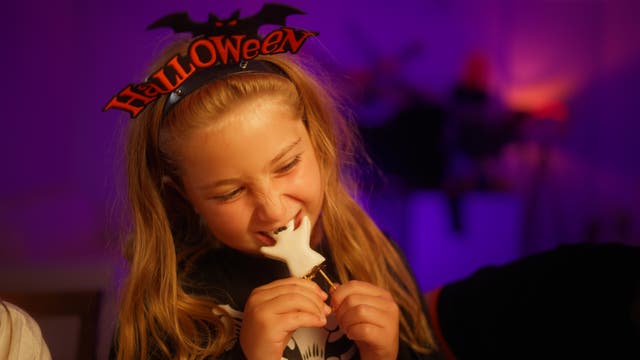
[[310, 185], [226, 222]]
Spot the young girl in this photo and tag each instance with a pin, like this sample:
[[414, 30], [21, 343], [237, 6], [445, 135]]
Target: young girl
[[211, 176]]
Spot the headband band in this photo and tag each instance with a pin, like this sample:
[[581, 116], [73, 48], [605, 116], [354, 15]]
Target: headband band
[[220, 48], [215, 73]]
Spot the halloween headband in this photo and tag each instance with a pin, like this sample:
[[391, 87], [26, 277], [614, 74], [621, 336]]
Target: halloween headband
[[219, 48]]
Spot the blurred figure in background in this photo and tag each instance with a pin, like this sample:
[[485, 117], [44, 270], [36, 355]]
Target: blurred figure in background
[[577, 301], [20, 335]]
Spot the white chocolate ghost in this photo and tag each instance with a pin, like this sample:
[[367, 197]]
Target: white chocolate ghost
[[292, 247]]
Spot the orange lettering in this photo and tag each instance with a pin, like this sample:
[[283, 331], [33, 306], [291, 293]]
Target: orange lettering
[[271, 42], [150, 89], [182, 74], [133, 102], [228, 47], [291, 43], [250, 49], [196, 56]]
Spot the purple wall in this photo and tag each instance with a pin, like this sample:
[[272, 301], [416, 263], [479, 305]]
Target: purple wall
[[58, 149]]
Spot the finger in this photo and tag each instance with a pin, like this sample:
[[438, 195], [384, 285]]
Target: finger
[[365, 313], [292, 281], [288, 303], [357, 287], [293, 321], [380, 302], [268, 293], [365, 332], [290, 285], [283, 315]]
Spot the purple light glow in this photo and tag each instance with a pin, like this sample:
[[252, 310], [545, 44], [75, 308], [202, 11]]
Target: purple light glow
[[79, 55]]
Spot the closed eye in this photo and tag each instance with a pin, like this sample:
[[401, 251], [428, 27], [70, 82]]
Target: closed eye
[[289, 166], [228, 196]]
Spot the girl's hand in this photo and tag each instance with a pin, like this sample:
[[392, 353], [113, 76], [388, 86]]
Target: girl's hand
[[275, 310], [369, 316]]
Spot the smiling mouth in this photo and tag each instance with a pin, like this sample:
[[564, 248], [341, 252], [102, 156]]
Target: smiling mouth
[[272, 234], [279, 230], [269, 237]]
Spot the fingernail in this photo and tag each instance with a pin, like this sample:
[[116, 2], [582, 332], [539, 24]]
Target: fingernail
[[327, 309]]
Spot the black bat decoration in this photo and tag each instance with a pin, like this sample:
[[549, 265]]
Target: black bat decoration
[[272, 14]]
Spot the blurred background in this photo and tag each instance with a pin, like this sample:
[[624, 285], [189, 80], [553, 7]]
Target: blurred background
[[501, 128]]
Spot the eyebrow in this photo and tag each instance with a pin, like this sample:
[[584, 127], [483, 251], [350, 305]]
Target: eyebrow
[[273, 161], [284, 151]]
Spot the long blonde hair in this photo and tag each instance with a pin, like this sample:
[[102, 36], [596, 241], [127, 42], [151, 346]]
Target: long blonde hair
[[156, 313]]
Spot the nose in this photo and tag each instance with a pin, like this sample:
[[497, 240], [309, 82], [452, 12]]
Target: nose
[[270, 206]]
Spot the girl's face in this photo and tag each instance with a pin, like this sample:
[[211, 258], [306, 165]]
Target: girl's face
[[252, 172]]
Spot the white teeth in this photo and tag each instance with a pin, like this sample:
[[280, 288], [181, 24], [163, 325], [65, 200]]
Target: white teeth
[[287, 228], [280, 229], [277, 234]]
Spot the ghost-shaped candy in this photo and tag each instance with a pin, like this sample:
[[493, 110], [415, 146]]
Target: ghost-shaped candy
[[293, 248]]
